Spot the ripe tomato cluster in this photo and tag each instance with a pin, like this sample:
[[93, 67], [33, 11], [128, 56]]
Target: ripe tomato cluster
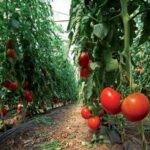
[[10, 85], [92, 121], [14, 85], [84, 62], [134, 107]]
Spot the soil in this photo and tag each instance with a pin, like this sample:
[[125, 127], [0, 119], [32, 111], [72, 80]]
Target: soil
[[65, 127]]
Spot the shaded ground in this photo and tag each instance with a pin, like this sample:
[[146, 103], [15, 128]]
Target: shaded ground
[[61, 129]]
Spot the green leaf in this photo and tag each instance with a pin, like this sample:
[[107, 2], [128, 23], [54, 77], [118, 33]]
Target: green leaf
[[101, 30], [15, 23], [111, 64]]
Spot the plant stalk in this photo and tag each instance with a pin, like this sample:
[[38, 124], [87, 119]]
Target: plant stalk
[[126, 52], [127, 55], [144, 142]]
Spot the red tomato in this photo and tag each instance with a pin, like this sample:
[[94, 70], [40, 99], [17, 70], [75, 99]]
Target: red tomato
[[11, 53], [4, 111], [84, 59], [94, 122], [28, 96], [6, 83], [14, 85], [84, 72], [135, 107], [86, 113], [9, 44], [111, 100]]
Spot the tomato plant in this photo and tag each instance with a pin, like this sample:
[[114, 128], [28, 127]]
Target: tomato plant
[[115, 35], [135, 107], [35, 59]]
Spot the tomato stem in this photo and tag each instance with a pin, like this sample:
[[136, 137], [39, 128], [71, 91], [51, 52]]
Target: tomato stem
[[144, 142], [127, 54]]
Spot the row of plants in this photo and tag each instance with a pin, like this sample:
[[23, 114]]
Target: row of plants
[[112, 52], [34, 69]]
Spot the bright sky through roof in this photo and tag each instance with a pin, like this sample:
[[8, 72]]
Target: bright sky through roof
[[61, 10]]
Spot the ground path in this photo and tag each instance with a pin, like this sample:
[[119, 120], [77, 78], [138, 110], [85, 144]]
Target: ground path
[[61, 129]]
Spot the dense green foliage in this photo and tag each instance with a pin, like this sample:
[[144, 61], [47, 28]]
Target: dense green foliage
[[98, 28], [41, 57]]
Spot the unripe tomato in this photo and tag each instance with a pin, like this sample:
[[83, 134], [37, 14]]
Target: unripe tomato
[[6, 83], [11, 53], [86, 113], [111, 100], [94, 122], [135, 107], [14, 85], [84, 59], [28, 96], [84, 72]]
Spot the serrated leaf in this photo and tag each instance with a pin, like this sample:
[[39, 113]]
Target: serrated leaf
[[101, 30]]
